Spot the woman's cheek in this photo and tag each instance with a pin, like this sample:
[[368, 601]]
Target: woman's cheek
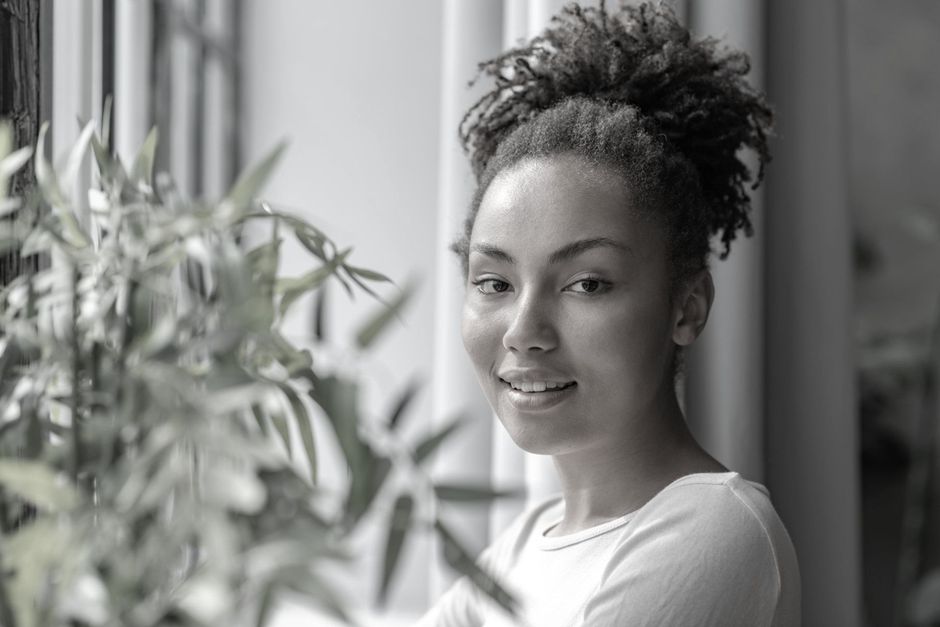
[[476, 331], [624, 335]]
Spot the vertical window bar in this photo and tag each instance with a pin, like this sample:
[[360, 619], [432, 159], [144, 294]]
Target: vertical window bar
[[42, 261], [233, 117], [161, 97], [198, 110], [107, 62]]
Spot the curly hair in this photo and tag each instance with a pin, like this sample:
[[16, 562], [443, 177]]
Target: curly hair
[[631, 90]]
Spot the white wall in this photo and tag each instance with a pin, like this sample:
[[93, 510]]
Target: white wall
[[355, 87]]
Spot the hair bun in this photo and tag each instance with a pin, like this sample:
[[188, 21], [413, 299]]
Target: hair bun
[[694, 94]]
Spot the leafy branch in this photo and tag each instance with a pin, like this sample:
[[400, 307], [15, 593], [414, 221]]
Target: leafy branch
[[149, 401]]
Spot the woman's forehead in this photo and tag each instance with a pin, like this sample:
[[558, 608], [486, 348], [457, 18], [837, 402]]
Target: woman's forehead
[[564, 173], [556, 201]]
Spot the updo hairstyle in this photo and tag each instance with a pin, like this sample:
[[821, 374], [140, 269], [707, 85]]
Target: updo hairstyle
[[630, 90]]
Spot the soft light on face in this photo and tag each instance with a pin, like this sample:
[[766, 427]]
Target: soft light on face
[[567, 300]]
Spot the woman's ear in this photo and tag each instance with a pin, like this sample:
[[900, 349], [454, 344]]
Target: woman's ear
[[692, 307]]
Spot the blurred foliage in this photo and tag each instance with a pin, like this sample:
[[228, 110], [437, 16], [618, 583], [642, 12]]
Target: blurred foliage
[[149, 401], [924, 603], [894, 366]]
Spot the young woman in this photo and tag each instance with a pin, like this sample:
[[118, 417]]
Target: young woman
[[607, 159]]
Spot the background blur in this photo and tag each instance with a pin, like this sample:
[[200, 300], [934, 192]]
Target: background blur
[[817, 375]]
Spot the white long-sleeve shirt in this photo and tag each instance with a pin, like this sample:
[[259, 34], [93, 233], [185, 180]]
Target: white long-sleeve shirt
[[708, 549]]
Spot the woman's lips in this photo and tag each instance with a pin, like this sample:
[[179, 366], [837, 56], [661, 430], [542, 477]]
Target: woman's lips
[[537, 386], [537, 401]]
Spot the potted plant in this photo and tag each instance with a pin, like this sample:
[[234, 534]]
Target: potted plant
[[146, 401]]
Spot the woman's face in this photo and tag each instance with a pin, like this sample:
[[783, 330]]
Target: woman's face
[[567, 316]]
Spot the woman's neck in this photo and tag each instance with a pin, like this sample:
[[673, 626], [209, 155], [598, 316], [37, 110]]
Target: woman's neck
[[618, 477]]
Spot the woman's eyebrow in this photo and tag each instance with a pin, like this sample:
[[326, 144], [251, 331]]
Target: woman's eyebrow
[[566, 252], [572, 250], [492, 251]]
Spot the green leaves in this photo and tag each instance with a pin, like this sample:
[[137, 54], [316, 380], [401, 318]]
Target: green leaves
[[304, 425], [53, 191], [398, 529], [110, 168], [404, 400], [339, 399], [45, 176], [264, 258], [429, 444], [249, 184], [462, 562], [370, 275], [68, 171], [380, 320], [142, 170], [293, 288], [38, 484], [154, 369], [30, 556], [236, 488], [10, 163], [467, 493]]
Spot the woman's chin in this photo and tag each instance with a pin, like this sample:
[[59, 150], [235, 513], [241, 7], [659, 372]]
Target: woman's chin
[[541, 439]]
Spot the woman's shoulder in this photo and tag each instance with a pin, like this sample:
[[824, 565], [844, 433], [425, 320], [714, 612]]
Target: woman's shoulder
[[712, 540], [725, 499], [722, 508], [722, 518]]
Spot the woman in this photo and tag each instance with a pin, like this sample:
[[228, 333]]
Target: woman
[[607, 159]]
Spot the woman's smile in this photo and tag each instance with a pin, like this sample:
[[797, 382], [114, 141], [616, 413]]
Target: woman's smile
[[534, 390], [538, 399]]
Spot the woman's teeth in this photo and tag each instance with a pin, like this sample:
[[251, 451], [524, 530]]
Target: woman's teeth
[[539, 386]]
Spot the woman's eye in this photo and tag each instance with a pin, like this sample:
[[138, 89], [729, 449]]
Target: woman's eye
[[491, 286], [589, 286]]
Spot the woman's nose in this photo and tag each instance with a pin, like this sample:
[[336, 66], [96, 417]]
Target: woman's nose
[[531, 326]]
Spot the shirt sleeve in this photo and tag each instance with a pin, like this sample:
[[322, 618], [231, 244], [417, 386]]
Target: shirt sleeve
[[702, 558]]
